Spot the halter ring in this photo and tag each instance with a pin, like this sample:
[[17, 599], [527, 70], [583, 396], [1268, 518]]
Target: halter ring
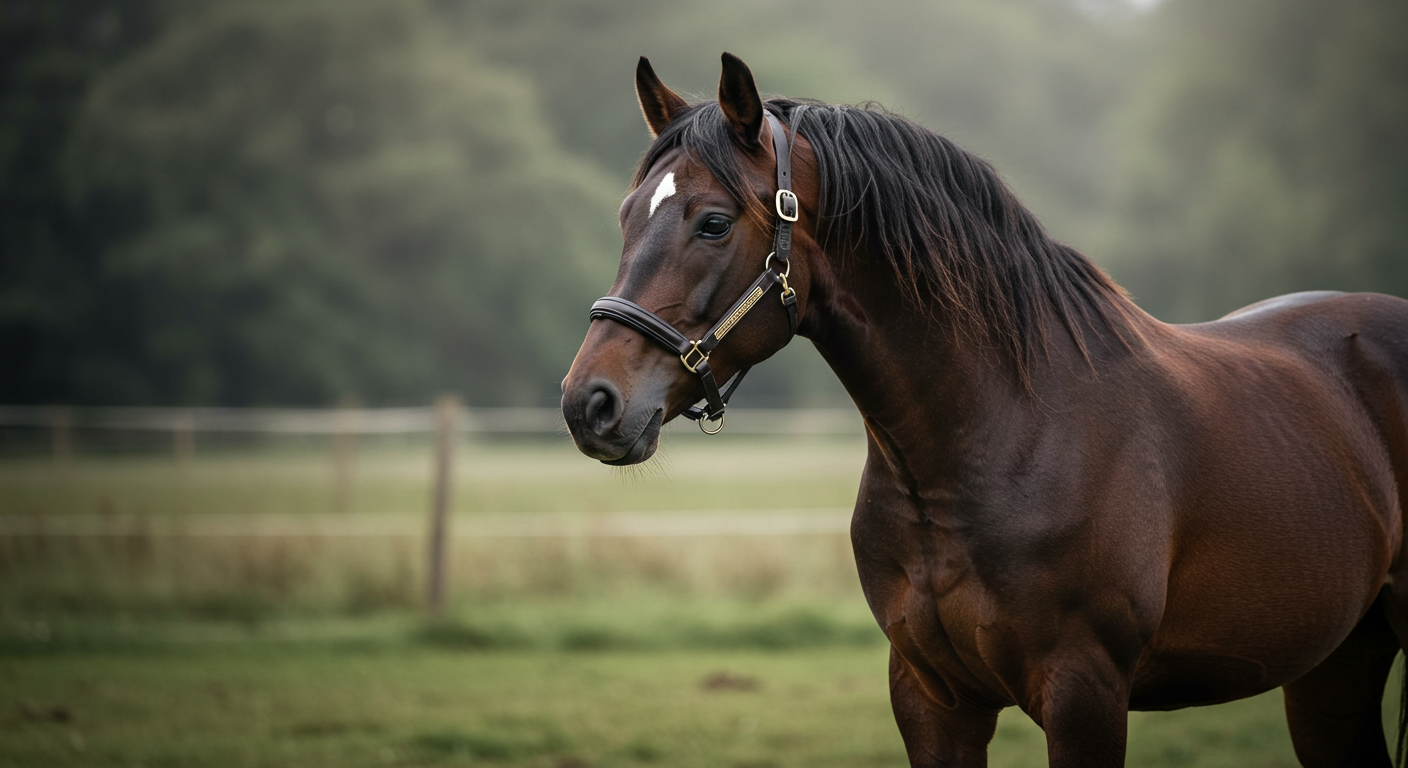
[[767, 264], [787, 290]]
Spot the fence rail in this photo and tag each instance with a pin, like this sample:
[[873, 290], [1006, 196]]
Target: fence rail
[[67, 428], [387, 421], [699, 523]]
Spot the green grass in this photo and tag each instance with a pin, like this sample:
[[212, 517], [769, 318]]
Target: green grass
[[542, 476], [559, 652], [259, 578], [385, 701], [246, 705], [146, 572], [657, 622]]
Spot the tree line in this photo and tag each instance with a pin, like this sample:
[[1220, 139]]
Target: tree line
[[306, 201]]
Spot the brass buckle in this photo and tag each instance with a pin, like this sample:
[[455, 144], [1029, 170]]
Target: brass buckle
[[791, 198], [703, 357]]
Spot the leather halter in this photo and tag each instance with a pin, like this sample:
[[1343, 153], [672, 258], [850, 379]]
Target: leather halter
[[695, 354]]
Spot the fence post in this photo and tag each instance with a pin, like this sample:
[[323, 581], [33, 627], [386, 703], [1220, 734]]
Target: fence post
[[344, 455], [183, 442], [61, 432], [446, 432]]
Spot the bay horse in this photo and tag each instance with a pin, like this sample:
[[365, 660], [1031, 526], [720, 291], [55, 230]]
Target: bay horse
[[1067, 505]]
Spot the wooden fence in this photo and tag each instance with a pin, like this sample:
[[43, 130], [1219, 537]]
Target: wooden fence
[[65, 429], [800, 422]]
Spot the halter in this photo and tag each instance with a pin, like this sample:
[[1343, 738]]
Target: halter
[[695, 354]]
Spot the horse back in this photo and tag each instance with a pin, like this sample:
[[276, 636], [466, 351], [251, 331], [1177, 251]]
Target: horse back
[[1357, 341], [1325, 376]]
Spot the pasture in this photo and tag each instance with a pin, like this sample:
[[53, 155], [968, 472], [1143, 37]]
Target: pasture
[[219, 612]]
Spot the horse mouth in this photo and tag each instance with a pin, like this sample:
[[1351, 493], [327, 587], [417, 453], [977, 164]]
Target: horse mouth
[[645, 444]]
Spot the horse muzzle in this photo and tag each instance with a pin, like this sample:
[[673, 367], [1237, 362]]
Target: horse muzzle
[[606, 427]]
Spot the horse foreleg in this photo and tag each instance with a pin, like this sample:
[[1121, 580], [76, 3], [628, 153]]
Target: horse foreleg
[[1084, 709], [1334, 711], [938, 730]]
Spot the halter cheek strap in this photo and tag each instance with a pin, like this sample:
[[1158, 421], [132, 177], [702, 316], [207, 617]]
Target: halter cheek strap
[[695, 354]]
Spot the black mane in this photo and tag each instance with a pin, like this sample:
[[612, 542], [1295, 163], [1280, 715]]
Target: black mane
[[942, 217]]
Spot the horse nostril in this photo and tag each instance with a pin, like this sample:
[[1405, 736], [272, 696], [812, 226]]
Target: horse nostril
[[603, 410]]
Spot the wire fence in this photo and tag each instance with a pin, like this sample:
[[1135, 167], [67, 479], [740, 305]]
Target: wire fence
[[621, 525], [65, 471], [62, 431]]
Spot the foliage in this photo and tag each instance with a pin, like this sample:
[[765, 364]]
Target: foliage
[[309, 201], [293, 202], [1268, 152], [50, 51], [1025, 82]]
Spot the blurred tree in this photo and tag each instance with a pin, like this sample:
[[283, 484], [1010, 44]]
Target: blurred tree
[[1268, 152], [583, 58], [301, 200], [1026, 83], [296, 201], [50, 51]]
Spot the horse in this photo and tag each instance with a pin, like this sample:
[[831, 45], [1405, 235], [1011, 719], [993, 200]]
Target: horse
[[1067, 505]]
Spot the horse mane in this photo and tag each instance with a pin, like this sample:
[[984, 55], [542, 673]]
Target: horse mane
[[943, 219]]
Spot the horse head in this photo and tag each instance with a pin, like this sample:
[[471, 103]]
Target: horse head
[[713, 276]]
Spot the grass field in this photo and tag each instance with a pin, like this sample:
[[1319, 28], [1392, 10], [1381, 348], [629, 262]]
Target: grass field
[[136, 501], [393, 476], [148, 640], [381, 702]]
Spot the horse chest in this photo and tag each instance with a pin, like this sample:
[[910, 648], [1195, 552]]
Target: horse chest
[[923, 588]]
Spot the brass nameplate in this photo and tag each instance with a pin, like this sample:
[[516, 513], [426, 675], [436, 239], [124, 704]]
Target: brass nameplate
[[740, 312]]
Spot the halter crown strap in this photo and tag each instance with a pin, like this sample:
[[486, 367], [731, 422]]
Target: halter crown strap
[[788, 209], [785, 201], [695, 354]]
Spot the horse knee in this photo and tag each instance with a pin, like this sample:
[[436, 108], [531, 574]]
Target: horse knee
[[940, 728], [1085, 713]]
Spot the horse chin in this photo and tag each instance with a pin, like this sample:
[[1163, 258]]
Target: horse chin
[[645, 443]]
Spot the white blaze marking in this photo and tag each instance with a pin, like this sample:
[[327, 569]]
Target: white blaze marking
[[666, 188]]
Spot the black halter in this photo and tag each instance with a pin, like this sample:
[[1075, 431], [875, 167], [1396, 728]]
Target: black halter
[[695, 354]]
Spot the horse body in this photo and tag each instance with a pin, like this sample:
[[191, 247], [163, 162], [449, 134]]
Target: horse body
[[1208, 510], [1069, 506], [1217, 509]]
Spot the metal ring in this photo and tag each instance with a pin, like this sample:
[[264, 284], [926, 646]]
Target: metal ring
[[767, 264], [703, 419]]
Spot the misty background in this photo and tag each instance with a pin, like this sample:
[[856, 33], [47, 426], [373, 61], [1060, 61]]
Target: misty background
[[286, 205], [306, 202]]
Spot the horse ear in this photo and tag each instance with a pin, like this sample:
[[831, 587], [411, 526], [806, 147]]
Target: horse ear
[[740, 102], [659, 104]]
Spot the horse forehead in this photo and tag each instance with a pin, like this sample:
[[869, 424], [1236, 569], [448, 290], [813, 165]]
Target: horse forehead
[[668, 183]]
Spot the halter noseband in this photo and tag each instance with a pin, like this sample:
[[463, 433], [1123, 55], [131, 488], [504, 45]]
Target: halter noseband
[[695, 354]]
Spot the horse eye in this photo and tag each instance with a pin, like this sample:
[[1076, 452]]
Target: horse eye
[[715, 227]]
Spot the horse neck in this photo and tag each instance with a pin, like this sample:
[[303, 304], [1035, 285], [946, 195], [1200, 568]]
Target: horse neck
[[935, 400]]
